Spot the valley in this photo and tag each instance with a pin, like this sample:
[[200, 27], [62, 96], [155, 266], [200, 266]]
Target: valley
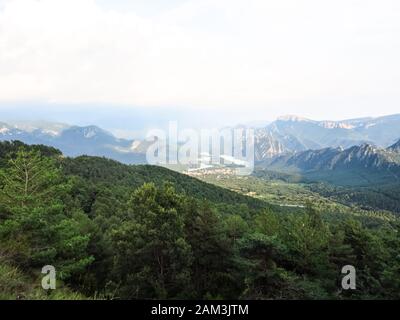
[[178, 154], [123, 229], [285, 191]]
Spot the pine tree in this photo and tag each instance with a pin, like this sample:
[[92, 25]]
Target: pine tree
[[36, 228], [213, 272], [152, 258]]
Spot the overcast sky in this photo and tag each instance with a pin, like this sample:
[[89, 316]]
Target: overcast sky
[[247, 59]]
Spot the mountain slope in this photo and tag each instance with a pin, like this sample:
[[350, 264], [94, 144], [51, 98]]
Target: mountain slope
[[74, 140], [133, 176], [286, 135], [395, 147], [106, 172], [363, 164], [290, 134]]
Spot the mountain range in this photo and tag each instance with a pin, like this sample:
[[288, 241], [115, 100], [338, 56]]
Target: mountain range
[[286, 138], [74, 140], [358, 165], [291, 134]]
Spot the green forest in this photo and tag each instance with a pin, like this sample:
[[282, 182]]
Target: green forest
[[116, 231]]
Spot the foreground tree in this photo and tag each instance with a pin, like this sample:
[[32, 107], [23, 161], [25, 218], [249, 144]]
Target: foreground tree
[[152, 256], [214, 274], [35, 226]]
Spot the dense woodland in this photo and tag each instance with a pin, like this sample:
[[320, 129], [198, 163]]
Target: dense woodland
[[115, 231], [380, 193]]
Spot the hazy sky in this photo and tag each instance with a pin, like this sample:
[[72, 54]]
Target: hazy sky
[[244, 59]]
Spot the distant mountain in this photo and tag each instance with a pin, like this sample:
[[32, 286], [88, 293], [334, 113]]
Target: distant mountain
[[365, 156], [74, 141], [46, 127], [357, 164], [395, 147], [289, 134]]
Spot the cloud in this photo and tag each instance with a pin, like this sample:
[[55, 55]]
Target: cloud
[[200, 54]]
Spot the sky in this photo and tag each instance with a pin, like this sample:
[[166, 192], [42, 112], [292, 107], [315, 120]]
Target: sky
[[205, 61]]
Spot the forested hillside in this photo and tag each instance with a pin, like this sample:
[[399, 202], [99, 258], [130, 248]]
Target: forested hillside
[[132, 232]]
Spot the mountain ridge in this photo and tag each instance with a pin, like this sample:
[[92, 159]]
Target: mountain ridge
[[364, 164], [285, 136], [289, 134], [74, 140]]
